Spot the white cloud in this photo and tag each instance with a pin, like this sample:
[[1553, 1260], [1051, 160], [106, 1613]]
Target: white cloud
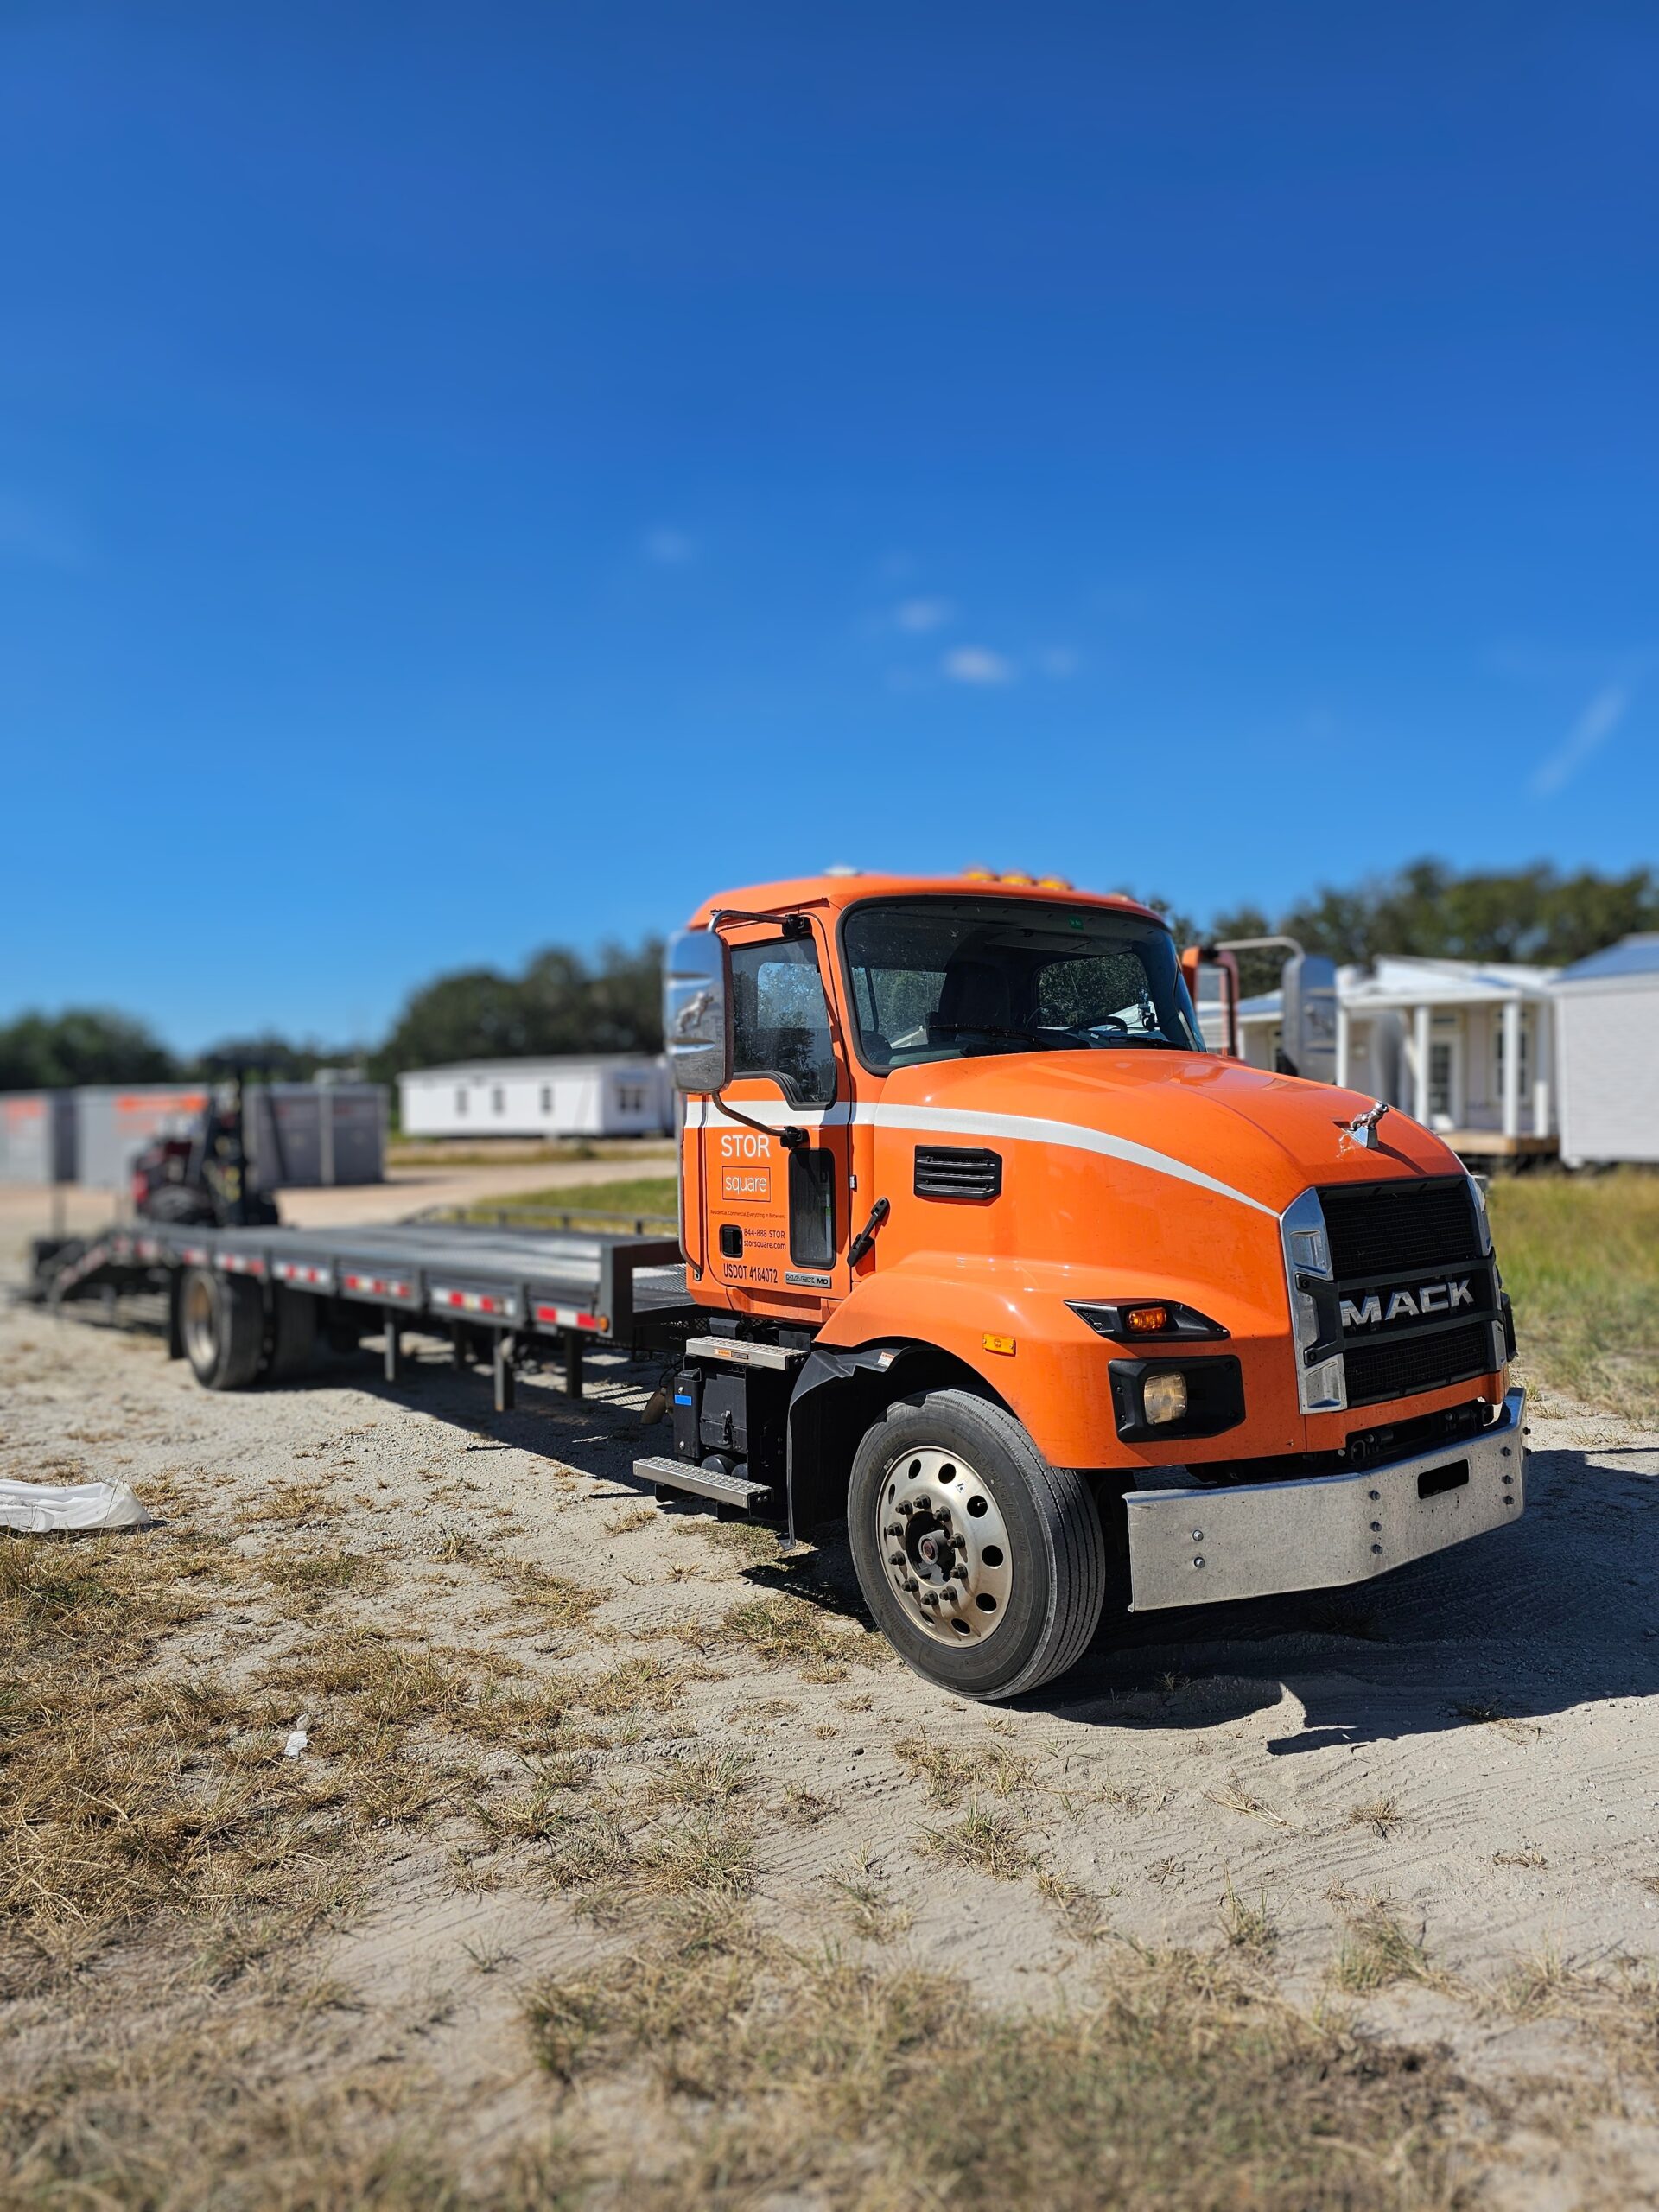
[[917, 615], [1588, 735], [668, 548], [978, 665]]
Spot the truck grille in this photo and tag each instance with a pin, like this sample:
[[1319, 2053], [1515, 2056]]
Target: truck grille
[[1399, 1370], [1393, 1245], [1395, 1228]]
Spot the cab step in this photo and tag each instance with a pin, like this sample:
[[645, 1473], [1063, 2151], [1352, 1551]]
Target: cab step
[[712, 1483]]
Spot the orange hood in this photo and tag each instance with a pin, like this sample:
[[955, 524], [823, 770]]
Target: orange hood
[[1216, 1123]]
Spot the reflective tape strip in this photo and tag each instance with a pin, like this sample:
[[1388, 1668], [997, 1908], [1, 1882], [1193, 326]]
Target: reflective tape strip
[[570, 1316], [472, 1302], [240, 1263], [377, 1287], [302, 1271], [947, 1121]]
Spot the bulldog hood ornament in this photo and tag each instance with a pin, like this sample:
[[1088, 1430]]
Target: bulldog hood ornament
[[1362, 1130]]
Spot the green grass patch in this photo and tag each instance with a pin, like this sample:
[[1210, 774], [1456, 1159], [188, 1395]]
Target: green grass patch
[[618, 1204], [1581, 1259]]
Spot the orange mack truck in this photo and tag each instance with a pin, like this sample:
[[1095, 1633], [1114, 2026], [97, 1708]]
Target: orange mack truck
[[993, 1256]]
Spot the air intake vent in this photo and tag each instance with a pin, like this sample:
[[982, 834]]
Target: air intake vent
[[945, 1171]]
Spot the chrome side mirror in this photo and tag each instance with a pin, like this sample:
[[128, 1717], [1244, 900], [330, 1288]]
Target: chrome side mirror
[[697, 1011]]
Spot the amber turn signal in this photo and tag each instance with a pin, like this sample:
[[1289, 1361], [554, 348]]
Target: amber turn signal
[[1147, 1320]]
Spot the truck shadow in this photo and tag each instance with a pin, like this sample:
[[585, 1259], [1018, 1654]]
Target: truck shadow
[[1559, 1611]]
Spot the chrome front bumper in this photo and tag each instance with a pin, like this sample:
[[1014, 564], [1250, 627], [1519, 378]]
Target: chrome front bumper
[[1198, 1547]]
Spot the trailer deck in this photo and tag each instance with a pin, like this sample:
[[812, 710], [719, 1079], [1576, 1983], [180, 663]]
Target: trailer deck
[[460, 1281]]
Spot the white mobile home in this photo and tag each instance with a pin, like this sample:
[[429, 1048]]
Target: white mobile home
[[1607, 1030], [1466, 1048], [613, 1095]]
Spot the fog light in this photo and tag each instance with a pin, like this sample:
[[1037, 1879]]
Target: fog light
[[1164, 1395]]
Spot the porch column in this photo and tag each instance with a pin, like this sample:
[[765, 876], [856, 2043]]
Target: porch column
[[1511, 1067], [1543, 1062], [1420, 1026], [1342, 1046]]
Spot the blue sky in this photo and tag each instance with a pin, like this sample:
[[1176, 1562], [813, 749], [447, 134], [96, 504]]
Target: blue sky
[[471, 478]]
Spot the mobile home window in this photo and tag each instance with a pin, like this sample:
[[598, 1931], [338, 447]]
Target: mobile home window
[[460, 1101], [498, 1100], [547, 1098], [630, 1098]]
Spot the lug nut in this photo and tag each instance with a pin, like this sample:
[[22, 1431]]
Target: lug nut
[[912, 1584], [894, 1528], [895, 1559], [947, 1595]]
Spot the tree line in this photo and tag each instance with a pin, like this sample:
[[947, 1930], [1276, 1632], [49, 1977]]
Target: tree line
[[564, 1001]]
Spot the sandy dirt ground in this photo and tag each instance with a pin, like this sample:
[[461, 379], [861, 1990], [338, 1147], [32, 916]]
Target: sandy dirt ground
[[1472, 1743]]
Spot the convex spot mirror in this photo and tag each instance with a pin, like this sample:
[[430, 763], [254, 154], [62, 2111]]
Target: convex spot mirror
[[697, 1011]]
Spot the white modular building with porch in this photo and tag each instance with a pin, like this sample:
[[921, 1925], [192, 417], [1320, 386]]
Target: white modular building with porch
[[1466, 1048], [1607, 1032], [605, 1095]]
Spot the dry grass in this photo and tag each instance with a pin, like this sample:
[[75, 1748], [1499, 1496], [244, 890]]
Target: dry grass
[[950, 1773], [293, 1505], [306, 1581], [1376, 1951], [1084, 1916], [1581, 1259], [1380, 1815], [636, 1516], [553, 1602], [817, 2079], [207, 2117], [985, 1842], [1247, 1927], [782, 1630], [861, 1889], [130, 1793], [1235, 1798]]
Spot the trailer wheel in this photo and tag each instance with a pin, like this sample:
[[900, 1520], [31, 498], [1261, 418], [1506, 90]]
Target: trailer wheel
[[293, 1336], [222, 1322], [985, 1567]]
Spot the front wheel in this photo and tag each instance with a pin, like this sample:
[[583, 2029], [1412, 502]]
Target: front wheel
[[984, 1567]]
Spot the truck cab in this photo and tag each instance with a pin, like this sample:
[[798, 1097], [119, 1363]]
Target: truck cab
[[1051, 1301]]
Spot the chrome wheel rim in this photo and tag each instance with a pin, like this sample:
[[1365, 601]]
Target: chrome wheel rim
[[944, 1547], [200, 1329]]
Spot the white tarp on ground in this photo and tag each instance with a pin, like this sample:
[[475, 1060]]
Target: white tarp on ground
[[40, 1509]]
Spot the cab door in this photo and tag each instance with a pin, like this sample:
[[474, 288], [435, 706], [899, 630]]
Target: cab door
[[775, 1215]]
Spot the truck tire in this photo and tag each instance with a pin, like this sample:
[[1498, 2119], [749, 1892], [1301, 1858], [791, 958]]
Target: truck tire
[[293, 1336], [984, 1567], [222, 1321]]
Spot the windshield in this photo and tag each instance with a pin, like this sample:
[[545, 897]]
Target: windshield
[[940, 979]]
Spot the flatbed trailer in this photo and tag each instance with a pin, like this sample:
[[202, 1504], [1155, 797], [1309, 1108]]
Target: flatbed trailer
[[251, 1304]]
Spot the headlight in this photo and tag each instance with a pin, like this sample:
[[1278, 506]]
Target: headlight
[[1477, 1193], [1164, 1396]]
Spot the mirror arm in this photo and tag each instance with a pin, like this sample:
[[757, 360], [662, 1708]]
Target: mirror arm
[[791, 1139]]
